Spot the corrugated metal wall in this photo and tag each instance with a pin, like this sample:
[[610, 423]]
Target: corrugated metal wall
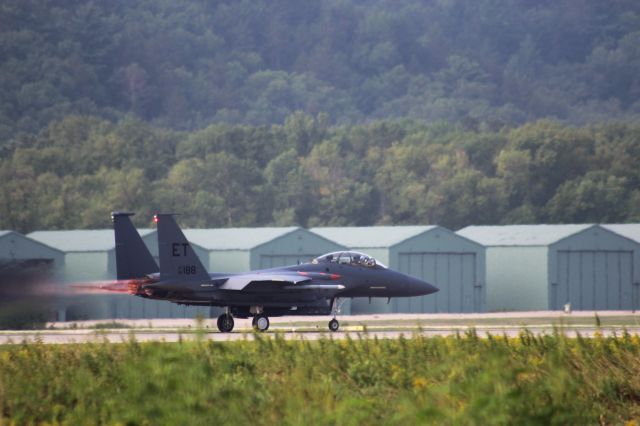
[[589, 280], [517, 278], [131, 307], [455, 275]]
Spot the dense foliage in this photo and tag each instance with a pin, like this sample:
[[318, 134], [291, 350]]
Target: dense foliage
[[319, 113], [526, 380], [185, 65], [74, 172]]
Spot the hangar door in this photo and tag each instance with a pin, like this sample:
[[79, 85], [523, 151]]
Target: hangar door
[[273, 261], [592, 280], [453, 273]]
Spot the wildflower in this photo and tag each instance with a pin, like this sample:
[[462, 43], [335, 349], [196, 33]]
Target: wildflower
[[525, 377], [419, 383]]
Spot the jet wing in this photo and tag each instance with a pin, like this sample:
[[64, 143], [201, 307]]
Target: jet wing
[[277, 282], [240, 282]]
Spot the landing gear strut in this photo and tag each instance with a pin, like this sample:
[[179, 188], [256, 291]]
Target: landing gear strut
[[336, 306], [260, 322]]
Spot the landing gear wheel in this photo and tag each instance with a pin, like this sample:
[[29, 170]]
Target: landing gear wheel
[[334, 325], [260, 322], [225, 323]]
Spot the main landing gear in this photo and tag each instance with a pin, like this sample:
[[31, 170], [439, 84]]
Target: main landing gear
[[225, 323], [260, 322]]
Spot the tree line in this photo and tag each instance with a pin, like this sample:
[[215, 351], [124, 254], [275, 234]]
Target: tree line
[[308, 172], [185, 65]]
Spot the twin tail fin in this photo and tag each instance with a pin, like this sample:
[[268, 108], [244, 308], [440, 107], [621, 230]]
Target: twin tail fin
[[133, 259], [178, 260]]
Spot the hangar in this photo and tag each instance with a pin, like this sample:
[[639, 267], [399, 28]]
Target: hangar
[[432, 253], [89, 255], [628, 230], [15, 247], [539, 267], [245, 249]]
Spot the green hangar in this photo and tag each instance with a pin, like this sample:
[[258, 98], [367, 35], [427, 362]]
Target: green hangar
[[628, 230], [16, 247], [245, 249], [452, 263], [541, 267], [89, 255]]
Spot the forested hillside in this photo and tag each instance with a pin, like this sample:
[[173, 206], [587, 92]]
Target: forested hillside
[[74, 172], [279, 112], [185, 65]]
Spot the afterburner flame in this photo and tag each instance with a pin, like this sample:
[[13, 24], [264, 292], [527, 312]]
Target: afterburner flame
[[133, 286]]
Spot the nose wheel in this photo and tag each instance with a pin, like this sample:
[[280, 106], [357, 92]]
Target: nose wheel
[[334, 325], [260, 322], [336, 306], [225, 323]]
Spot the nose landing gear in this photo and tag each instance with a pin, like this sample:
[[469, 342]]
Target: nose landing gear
[[334, 325], [336, 306]]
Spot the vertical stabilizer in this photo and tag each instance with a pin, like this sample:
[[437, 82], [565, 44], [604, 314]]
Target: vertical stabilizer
[[178, 260], [133, 259]]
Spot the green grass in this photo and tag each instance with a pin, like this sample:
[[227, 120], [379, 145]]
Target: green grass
[[109, 325], [457, 380]]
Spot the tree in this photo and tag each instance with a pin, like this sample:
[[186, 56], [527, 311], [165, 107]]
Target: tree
[[594, 197], [345, 196], [292, 190]]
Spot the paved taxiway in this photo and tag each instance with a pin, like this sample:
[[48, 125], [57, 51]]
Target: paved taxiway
[[390, 326]]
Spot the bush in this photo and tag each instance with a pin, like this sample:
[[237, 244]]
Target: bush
[[461, 380]]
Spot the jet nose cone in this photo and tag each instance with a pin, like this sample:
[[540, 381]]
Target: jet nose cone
[[430, 288], [422, 288]]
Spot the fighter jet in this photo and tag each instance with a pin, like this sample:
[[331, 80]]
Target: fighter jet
[[314, 288]]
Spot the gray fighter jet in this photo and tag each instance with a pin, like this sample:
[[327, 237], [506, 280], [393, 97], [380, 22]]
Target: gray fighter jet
[[314, 288]]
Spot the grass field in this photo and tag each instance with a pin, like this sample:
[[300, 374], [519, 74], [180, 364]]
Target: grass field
[[456, 380]]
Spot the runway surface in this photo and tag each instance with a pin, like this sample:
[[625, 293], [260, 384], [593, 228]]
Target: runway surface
[[389, 326]]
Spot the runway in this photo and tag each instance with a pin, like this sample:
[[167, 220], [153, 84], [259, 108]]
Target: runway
[[390, 326]]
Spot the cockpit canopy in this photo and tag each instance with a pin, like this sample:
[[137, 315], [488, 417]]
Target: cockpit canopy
[[349, 258]]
